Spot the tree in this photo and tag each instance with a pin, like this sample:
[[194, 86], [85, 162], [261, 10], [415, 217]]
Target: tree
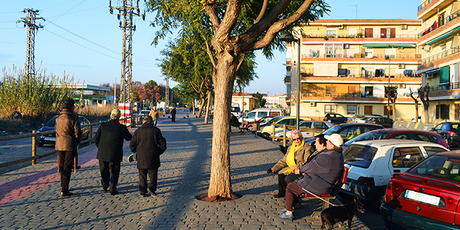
[[423, 93], [392, 95], [415, 98], [236, 27], [259, 102]]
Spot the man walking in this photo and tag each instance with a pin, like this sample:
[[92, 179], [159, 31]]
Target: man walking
[[68, 135], [155, 116], [148, 143], [109, 141], [173, 114]]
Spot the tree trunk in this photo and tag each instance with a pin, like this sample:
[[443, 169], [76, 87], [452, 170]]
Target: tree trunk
[[200, 111], [393, 105], [193, 104], [220, 183], [207, 107], [416, 112]]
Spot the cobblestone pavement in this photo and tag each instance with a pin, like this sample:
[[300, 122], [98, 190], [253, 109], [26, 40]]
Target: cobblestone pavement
[[30, 196]]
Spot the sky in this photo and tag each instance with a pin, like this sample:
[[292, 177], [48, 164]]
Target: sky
[[80, 38]]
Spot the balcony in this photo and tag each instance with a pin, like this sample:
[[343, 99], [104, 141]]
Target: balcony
[[350, 95], [440, 55], [424, 3], [360, 36], [452, 85], [359, 55], [438, 24]]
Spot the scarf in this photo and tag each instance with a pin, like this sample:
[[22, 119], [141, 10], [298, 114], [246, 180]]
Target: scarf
[[290, 158]]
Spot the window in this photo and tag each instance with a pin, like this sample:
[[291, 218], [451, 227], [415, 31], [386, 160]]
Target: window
[[369, 32], [320, 125], [331, 50], [352, 31], [387, 32], [305, 125], [263, 114], [351, 109], [390, 52], [406, 157], [251, 115], [331, 33], [330, 91], [432, 150], [369, 91], [330, 108], [457, 112], [369, 52], [442, 112]]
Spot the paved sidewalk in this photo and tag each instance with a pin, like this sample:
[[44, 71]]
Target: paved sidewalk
[[29, 197]]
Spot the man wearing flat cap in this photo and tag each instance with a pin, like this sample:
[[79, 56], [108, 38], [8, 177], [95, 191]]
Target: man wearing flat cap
[[319, 175], [148, 143], [109, 141]]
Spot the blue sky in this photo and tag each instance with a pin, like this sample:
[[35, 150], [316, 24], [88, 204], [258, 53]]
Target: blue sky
[[82, 39]]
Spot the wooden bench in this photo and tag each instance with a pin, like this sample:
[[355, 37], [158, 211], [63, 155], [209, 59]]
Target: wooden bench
[[328, 196]]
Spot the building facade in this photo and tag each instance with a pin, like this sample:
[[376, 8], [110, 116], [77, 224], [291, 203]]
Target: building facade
[[439, 46], [276, 101], [347, 65], [245, 101]]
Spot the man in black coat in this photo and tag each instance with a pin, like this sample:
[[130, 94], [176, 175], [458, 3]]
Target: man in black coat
[[109, 141], [148, 143], [173, 114]]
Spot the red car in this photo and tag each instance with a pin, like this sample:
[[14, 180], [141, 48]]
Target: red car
[[426, 196]]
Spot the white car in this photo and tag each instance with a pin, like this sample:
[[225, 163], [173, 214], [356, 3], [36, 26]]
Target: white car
[[372, 163], [314, 128]]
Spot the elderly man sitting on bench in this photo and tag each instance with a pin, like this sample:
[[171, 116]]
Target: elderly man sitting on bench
[[319, 175]]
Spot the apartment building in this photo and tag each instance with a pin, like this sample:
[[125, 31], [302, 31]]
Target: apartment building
[[439, 46], [275, 101], [348, 64]]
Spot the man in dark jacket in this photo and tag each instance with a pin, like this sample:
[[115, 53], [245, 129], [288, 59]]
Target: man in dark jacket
[[148, 143], [173, 114], [68, 135], [109, 141]]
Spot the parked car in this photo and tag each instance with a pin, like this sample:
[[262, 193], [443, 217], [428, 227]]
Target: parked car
[[335, 118], [347, 131], [257, 114], [404, 134], [449, 131], [361, 118], [316, 127], [426, 196], [372, 163], [384, 121], [267, 130], [262, 121], [51, 138]]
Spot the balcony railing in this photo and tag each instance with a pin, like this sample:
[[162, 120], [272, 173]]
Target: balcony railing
[[360, 35], [441, 55], [452, 85], [424, 3], [357, 55], [350, 95], [437, 24]]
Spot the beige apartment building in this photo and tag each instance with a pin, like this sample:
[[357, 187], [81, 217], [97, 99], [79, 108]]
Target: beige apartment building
[[348, 64], [439, 46]]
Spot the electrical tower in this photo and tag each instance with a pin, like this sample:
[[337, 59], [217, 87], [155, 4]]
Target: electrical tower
[[125, 15], [32, 27]]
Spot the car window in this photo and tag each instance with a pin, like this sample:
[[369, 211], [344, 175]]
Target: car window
[[275, 114], [406, 157], [236, 109], [319, 125], [51, 122], [439, 127], [350, 132], [83, 121], [423, 137], [359, 155], [401, 137], [284, 122], [338, 115], [369, 128], [439, 166], [431, 150], [263, 114], [455, 126], [305, 124], [251, 115]]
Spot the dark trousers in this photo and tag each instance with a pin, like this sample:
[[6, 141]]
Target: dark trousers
[[65, 168], [284, 180], [292, 195], [173, 117], [110, 172], [153, 175]]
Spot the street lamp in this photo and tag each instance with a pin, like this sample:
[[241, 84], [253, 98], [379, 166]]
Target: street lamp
[[288, 37]]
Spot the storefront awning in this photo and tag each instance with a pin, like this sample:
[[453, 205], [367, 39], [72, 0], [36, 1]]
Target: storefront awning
[[439, 38], [402, 45], [432, 71]]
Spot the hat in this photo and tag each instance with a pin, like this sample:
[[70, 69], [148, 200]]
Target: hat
[[335, 139], [115, 114]]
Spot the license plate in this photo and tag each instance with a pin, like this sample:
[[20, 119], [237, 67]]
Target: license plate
[[421, 197], [346, 187], [50, 138]]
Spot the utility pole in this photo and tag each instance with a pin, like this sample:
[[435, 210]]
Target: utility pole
[[32, 27], [125, 15]]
